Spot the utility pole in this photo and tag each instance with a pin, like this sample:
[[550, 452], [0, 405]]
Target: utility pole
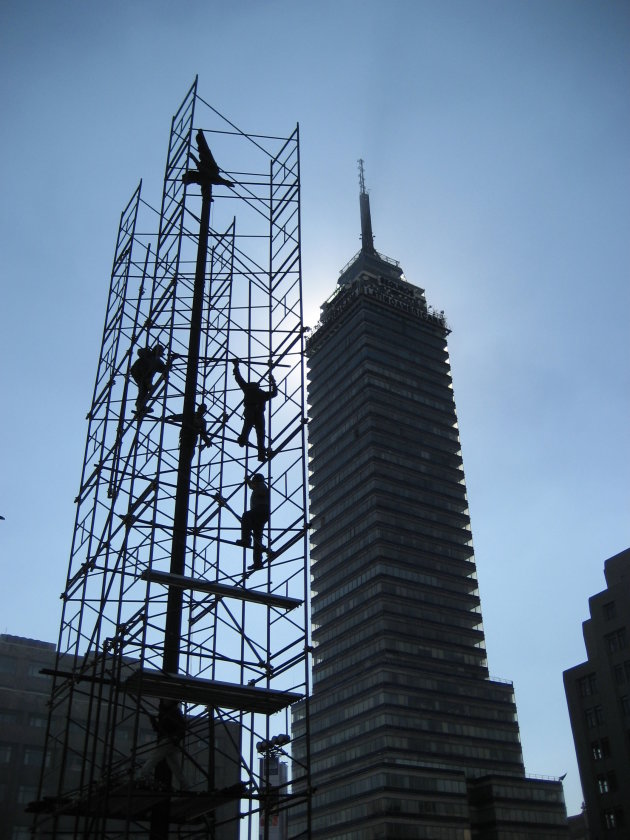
[[206, 174]]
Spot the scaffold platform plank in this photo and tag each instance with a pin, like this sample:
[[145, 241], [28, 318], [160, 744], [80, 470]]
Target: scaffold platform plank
[[134, 799], [221, 590], [215, 693]]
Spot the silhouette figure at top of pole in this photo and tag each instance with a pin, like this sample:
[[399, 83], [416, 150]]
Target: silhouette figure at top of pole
[[207, 171]]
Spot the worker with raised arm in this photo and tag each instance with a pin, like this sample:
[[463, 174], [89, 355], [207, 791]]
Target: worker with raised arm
[[254, 402]]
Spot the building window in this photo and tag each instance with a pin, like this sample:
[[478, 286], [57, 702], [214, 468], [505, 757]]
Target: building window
[[26, 793], [600, 749], [6, 751], [625, 704], [594, 716], [617, 640], [620, 674], [588, 685], [33, 755], [612, 817], [602, 783], [8, 665], [37, 721], [34, 668], [609, 610], [9, 716]]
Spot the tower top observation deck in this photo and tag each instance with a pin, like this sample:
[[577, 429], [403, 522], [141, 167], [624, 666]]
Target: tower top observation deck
[[368, 258]]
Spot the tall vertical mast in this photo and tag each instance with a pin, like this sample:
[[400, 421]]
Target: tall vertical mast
[[367, 238]]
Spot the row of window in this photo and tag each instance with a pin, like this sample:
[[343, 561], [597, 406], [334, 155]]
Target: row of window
[[419, 747], [528, 792], [15, 717], [484, 692], [399, 723], [617, 640], [25, 793], [31, 756], [373, 784], [612, 818], [622, 672], [600, 749], [535, 816], [595, 714], [383, 807], [607, 782], [375, 570], [9, 665], [587, 685], [393, 646], [610, 611]]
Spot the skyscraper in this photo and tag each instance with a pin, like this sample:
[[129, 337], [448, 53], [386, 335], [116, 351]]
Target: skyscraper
[[598, 697], [410, 738]]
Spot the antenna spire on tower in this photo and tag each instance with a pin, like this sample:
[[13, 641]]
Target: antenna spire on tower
[[367, 239], [361, 177]]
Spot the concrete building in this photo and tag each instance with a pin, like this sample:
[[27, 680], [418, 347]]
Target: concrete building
[[24, 706], [24, 695], [598, 697], [410, 736]]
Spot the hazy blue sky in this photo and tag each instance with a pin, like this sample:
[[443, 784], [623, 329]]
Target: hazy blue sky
[[496, 139]]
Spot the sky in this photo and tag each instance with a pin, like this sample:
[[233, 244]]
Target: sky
[[496, 141]]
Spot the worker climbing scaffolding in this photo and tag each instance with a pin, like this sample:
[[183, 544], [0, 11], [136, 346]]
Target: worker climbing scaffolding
[[254, 402], [197, 425], [255, 518], [148, 363]]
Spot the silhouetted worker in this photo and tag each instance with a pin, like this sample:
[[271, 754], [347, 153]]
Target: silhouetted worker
[[170, 726], [148, 363], [254, 399], [198, 425], [207, 169], [254, 520]]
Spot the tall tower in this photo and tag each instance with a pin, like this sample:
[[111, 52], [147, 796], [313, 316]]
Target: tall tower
[[410, 738]]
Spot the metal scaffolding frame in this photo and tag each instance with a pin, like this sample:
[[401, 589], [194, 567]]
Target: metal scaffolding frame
[[163, 617]]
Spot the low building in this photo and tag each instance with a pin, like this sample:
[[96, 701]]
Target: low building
[[24, 695], [24, 706], [598, 697]]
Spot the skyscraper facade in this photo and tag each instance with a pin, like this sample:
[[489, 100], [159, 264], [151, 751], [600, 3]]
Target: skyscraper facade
[[410, 738], [598, 697]]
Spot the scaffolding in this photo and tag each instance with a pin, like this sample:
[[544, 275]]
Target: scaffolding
[[180, 651]]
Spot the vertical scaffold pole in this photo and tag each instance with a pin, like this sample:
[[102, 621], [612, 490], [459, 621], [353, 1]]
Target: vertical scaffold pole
[[159, 829]]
